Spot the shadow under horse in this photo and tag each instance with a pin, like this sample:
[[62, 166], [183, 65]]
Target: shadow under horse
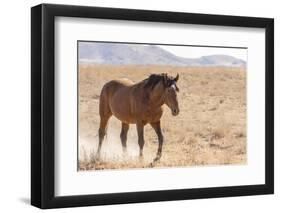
[[140, 103]]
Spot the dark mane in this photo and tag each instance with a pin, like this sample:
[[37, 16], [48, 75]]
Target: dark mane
[[156, 78]]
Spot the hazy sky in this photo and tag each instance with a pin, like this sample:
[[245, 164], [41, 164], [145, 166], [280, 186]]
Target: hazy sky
[[196, 52]]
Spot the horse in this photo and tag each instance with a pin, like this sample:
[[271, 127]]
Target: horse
[[140, 103]]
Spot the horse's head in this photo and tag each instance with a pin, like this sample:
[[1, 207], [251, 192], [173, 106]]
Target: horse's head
[[165, 86], [170, 97]]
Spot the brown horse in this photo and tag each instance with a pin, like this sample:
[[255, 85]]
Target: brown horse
[[139, 104]]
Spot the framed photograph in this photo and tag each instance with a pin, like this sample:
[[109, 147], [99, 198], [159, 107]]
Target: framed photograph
[[139, 106]]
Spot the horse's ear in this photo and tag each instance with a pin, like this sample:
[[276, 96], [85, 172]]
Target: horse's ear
[[176, 78]]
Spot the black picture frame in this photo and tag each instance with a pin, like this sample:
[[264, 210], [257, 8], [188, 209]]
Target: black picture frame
[[43, 102]]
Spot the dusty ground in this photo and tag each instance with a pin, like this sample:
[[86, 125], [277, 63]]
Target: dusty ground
[[210, 129]]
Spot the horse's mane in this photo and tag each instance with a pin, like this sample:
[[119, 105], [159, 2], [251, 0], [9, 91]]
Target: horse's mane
[[154, 79]]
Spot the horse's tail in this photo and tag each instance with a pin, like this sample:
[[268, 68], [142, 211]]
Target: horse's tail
[[105, 114], [104, 107]]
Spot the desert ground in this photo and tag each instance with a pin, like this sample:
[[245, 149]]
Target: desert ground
[[210, 129]]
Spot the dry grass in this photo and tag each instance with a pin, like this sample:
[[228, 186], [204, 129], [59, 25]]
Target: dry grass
[[210, 129]]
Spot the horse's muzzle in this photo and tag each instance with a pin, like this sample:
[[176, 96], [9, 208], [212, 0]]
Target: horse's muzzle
[[175, 112]]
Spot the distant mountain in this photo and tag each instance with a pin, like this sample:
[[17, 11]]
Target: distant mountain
[[224, 60], [114, 53]]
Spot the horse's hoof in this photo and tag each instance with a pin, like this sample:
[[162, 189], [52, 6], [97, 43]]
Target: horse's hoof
[[155, 161], [157, 158], [152, 164]]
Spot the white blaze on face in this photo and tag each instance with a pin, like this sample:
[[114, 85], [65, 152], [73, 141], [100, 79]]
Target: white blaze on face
[[173, 86]]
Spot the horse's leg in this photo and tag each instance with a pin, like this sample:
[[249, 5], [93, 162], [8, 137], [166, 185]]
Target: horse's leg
[[123, 136], [156, 126], [140, 138]]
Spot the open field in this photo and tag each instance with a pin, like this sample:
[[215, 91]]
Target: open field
[[210, 129]]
